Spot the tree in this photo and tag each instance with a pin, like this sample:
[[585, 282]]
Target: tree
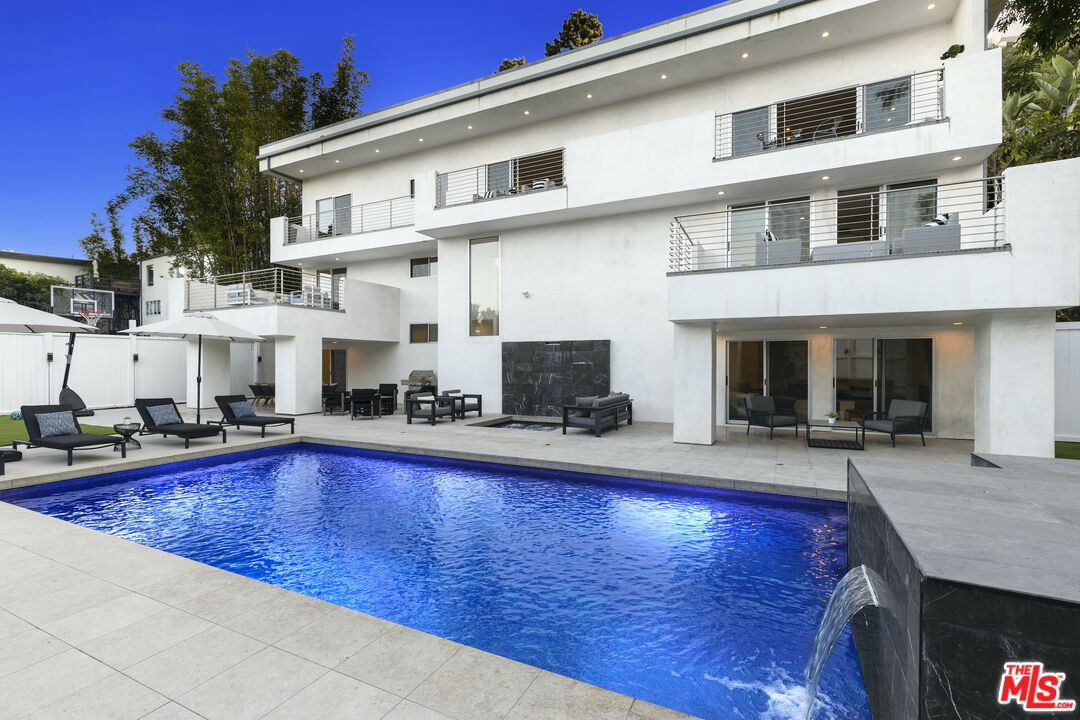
[[28, 288], [580, 28], [197, 193], [510, 64], [1051, 24]]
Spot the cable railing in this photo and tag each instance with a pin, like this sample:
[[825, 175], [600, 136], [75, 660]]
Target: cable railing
[[369, 217], [865, 224], [517, 176], [856, 110], [270, 286]]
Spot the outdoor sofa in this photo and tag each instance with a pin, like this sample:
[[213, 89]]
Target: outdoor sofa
[[57, 428], [905, 417], [929, 238], [465, 402], [160, 416], [236, 411], [598, 413], [428, 406], [761, 412]]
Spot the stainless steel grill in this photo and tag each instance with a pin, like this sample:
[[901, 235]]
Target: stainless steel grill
[[271, 286], [857, 110], [369, 217], [897, 220], [506, 178]]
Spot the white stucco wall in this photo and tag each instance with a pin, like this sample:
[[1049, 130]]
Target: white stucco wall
[[35, 264]]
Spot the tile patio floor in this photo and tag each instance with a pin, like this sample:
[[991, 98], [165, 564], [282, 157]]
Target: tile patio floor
[[94, 626]]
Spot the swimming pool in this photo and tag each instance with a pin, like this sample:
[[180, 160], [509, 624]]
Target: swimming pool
[[702, 600]]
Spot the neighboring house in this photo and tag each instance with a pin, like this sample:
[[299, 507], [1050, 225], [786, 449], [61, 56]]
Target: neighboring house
[[761, 197], [67, 268], [154, 275]]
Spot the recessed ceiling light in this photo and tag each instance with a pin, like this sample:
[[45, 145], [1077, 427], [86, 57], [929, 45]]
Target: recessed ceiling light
[[957, 157], [301, 169], [589, 96], [931, 6], [824, 177], [337, 162], [299, 264], [664, 76], [822, 327], [719, 192], [377, 150], [825, 34], [420, 139], [469, 127], [337, 259], [745, 55], [526, 112], [958, 323]]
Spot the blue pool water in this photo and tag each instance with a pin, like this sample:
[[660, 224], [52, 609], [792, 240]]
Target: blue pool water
[[702, 600]]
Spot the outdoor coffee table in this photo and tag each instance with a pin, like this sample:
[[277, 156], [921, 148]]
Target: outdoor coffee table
[[126, 430], [835, 443]]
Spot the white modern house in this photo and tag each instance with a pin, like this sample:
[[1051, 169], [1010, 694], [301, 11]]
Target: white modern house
[[67, 268], [782, 197]]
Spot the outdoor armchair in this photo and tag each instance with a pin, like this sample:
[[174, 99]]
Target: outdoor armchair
[[388, 398], [237, 411], [427, 406], [905, 417], [56, 427], [160, 416], [466, 402], [365, 401], [761, 412]]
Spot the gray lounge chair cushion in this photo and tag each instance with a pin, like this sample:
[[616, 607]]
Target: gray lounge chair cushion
[[851, 250], [585, 400], [782, 421], [242, 409], [906, 408], [54, 424], [164, 415], [762, 404], [885, 426]]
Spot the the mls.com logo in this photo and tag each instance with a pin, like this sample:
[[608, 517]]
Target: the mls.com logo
[[1028, 686]]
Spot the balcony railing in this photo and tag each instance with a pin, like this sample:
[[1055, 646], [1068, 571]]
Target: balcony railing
[[895, 221], [506, 178], [369, 217], [272, 286], [857, 110]]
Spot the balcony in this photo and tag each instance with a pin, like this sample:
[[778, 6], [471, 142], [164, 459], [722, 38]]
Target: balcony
[[883, 106], [507, 178], [366, 218], [272, 286], [891, 222]]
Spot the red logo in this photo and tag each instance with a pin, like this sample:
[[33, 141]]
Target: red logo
[[1032, 689]]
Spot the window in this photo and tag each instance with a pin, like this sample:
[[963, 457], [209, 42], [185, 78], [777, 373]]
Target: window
[[909, 205], [149, 275], [858, 213], [750, 131], [412, 188], [153, 307], [484, 286], [763, 222], [334, 216], [424, 333], [423, 267], [888, 104], [870, 212]]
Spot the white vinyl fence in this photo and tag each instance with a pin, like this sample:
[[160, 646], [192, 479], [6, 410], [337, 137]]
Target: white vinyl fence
[[1067, 382]]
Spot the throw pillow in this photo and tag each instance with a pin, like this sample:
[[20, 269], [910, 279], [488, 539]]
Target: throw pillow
[[163, 415], [769, 236], [242, 409], [942, 219], [56, 423], [586, 400]]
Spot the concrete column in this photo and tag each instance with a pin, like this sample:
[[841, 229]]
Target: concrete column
[[1014, 383], [215, 370], [694, 392], [822, 395], [298, 374]]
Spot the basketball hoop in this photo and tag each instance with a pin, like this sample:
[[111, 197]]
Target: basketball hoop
[[91, 317]]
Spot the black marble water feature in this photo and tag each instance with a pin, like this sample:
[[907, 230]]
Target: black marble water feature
[[540, 377]]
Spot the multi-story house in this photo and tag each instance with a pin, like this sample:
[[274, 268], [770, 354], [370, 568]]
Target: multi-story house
[[784, 197]]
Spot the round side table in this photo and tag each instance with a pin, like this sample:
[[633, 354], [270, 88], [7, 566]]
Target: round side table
[[126, 431]]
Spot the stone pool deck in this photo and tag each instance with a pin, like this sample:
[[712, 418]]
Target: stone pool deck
[[93, 626]]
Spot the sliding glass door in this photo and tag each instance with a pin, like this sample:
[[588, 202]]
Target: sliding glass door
[[779, 368], [871, 373]]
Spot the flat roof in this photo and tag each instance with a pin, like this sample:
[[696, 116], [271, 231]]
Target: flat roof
[[539, 69], [15, 255]]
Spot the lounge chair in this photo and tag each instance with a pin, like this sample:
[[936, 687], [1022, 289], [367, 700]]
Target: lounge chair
[[262, 391], [388, 398], [761, 411], [365, 401], [905, 417], [56, 427], [160, 416], [598, 413], [466, 402], [237, 411], [426, 406]]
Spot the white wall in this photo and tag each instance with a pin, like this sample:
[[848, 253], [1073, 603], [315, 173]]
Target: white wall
[[164, 272], [31, 264], [1067, 382], [103, 370]]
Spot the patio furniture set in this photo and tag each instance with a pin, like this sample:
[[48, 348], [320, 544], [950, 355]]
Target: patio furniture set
[[904, 417]]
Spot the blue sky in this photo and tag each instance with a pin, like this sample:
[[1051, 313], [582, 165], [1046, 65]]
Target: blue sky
[[82, 79]]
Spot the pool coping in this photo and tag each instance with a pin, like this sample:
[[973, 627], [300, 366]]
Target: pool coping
[[772, 488]]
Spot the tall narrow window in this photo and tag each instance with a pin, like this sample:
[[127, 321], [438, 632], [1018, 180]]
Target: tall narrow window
[[484, 286], [750, 132], [909, 205], [857, 215], [888, 104], [149, 275]]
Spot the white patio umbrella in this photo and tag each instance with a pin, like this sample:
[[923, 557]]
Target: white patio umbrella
[[18, 318], [197, 325]]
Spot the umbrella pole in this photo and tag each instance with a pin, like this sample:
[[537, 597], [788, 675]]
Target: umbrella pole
[[198, 387], [70, 351]]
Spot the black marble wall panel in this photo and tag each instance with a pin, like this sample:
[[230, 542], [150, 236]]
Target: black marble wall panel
[[540, 377], [886, 639]]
